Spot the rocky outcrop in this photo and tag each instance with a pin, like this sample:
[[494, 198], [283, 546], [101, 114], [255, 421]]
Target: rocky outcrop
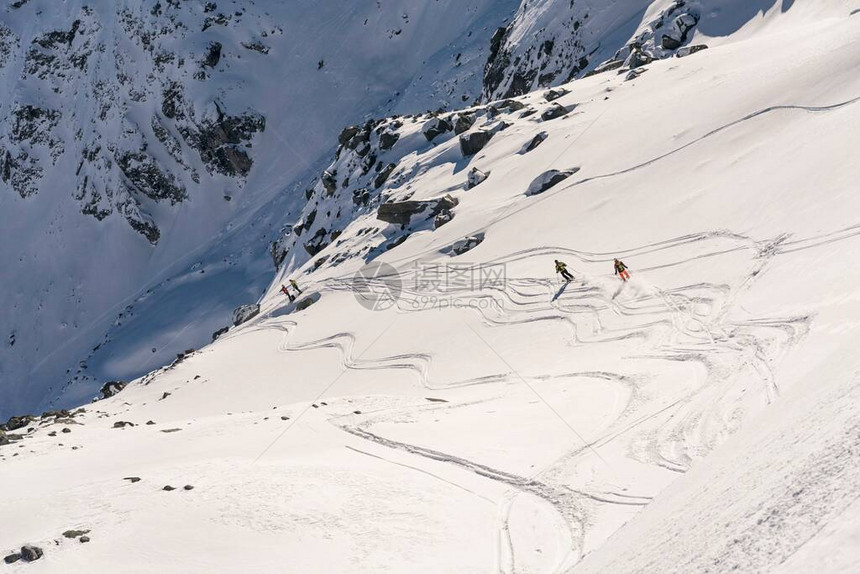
[[552, 42], [115, 57], [112, 388], [402, 212], [548, 179], [221, 140], [17, 422], [245, 313]]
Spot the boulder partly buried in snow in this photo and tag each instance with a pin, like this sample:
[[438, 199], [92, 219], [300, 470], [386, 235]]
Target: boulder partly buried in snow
[[534, 142], [111, 388], [307, 301], [476, 177], [463, 123], [555, 94], [467, 244], [688, 50], [548, 179], [31, 553], [553, 112], [244, 313], [401, 212], [435, 127], [472, 143]]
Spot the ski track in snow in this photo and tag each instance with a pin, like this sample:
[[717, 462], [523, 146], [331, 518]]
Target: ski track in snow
[[685, 324]]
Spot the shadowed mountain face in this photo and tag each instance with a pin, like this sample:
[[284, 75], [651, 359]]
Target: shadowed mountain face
[[140, 138]]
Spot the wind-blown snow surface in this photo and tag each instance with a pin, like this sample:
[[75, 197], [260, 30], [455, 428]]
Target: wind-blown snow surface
[[702, 417]]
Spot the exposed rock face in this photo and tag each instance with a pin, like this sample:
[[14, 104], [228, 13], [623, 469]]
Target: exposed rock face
[[402, 212], [245, 313], [473, 142], [116, 57], [19, 422], [548, 179], [552, 42]]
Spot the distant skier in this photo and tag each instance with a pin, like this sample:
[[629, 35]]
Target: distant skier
[[621, 270], [286, 292], [295, 286], [561, 267]]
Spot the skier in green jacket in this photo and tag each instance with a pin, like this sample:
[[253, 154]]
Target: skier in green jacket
[[561, 267]]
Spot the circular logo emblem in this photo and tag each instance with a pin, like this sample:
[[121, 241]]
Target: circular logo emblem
[[377, 286]]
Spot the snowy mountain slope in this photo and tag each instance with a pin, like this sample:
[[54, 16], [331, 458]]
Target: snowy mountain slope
[[700, 418], [149, 133]]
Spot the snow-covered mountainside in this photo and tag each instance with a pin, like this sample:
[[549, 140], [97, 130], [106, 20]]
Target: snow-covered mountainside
[[144, 143], [436, 398]]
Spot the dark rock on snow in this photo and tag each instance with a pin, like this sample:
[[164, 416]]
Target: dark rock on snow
[[476, 177], [307, 301], [553, 95], [31, 553], [463, 123], [436, 127], [12, 558], [467, 244], [472, 143], [111, 388], [245, 313], [548, 179], [15, 423], [534, 142], [553, 112], [388, 139], [219, 332], [689, 50], [401, 212]]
